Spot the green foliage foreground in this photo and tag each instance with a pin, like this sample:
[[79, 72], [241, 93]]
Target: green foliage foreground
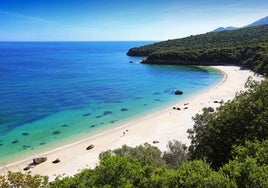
[[229, 149], [244, 118]]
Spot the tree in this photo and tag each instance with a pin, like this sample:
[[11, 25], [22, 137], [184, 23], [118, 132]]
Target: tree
[[176, 154], [250, 165], [146, 154], [18, 179], [244, 118]]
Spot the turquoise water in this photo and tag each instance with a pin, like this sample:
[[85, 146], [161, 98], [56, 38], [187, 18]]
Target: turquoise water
[[54, 91]]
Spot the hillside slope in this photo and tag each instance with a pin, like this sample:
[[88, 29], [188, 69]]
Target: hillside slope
[[246, 47]]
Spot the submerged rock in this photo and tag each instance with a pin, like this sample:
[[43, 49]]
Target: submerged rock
[[124, 109], [87, 114], [107, 113], [178, 92], [15, 142], [56, 132]]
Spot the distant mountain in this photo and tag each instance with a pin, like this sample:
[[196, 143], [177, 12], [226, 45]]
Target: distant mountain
[[224, 29], [261, 21]]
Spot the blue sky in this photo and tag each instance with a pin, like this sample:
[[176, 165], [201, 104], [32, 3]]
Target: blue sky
[[93, 20]]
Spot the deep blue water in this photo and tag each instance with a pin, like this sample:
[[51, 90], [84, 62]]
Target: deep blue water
[[51, 91]]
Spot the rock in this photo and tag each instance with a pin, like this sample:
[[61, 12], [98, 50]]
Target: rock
[[178, 108], [90, 147], [15, 142], [124, 109], [56, 161], [87, 114], [39, 160], [26, 168], [130, 61], [155, 141], [178, 92], [106, 113], [56, 132], [210, 109]]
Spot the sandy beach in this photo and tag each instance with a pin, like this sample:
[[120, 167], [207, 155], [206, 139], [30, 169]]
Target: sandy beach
[[161, 126]]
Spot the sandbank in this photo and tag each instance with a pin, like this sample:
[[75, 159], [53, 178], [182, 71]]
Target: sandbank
[[163, 126]]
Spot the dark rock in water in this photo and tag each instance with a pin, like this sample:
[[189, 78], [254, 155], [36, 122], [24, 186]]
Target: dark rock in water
[[56, 132], [24, 147], [64, 125], [144, 104], [158, 100], [56, 161], [130, 61], [124, 109], [178, 92], [39, 160], [156, 93], [25, 134], [98, 116], [113, 121], [15, 142], [92, 126], [1, 144], [107, 113], [42, 143], [137, 98], [90, 147], [155, 141], [87, 114]]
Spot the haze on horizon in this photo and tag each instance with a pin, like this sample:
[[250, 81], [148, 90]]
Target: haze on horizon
[[106, 20]]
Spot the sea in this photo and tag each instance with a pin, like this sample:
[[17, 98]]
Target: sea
[[58, 92]]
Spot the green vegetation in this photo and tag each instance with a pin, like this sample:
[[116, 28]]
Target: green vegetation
[[244, 118], [18, 179], [246, 47]]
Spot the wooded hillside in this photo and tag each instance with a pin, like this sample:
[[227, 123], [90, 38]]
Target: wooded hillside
[[246, 47]]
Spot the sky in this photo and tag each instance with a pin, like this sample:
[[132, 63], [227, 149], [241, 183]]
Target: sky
[[121, 20]]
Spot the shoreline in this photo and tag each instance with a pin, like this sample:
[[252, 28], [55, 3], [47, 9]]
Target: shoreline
[[163, 125]]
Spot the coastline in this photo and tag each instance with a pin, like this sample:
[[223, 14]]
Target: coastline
[[165, 125]]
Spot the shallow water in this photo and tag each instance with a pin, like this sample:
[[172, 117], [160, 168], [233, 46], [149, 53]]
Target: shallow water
[[53, 91]]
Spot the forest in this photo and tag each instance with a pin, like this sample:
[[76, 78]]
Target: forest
[[245, 47]]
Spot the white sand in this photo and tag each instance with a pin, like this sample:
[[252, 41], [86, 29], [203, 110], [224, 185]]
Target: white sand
[[162, 126]]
